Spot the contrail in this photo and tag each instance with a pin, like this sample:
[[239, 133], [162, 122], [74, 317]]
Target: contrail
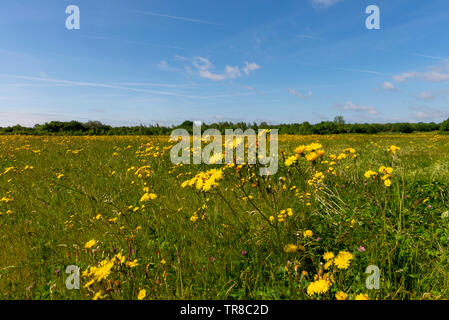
[[177, 18]]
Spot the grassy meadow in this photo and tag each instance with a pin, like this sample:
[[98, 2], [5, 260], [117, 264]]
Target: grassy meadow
[[139, 227]]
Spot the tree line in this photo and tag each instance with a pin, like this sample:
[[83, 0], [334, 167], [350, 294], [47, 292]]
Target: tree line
[[338, 126]]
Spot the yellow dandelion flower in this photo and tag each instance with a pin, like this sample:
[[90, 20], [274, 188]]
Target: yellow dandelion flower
[[90, 244], [142, 294], [340, 295], [343, 259], [290, 248], [361, 297], [132, 264], [308, 233], [318, 287], [311, 156], [370, 173], [328, 264], [148, 196], [328, 256], [97, 295]]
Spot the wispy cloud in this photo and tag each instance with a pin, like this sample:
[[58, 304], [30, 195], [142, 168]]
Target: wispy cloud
[[135, 42], [204, 66], [348, 69], [430, 95], [388, 86], [426, 113], [430, 76], [299, 94], [305, 36], [101, 85], [249, 67], [28, 118], [325, 3], [176, 17], [426, 96], [434, 74], [429, 57], [352, 107], [152, 84], [163, 65]]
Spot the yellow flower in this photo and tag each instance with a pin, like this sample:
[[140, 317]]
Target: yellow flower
[[340, 295], [97, 295], [343, 259], [313, 146], [361, 297], [90, 244], [148, 196], [318, 287], [387, 182], [59, 176], [308, 233], [320, 153], [350, 150], [370, 173], [132, 264], [385, 170], [300, 149], [142, 294], [393, 149], [328, 256], [290, 248], [311, 156], [328, 264], [290, 161], [120, 258]]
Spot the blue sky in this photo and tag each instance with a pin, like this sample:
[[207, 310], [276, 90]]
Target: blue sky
[[144, 62]]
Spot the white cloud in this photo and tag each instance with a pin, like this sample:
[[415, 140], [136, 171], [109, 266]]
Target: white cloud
[[425, 113], [163, 65], [431, 76], [204, 67], [351, 106], [389, 86], [425, 96], [233, 72], [299, 94], [250, 67], [325, 3]]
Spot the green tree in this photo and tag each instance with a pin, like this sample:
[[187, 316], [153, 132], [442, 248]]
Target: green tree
[[445, 126]]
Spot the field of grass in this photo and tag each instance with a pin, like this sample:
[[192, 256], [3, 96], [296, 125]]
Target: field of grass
[[117, 208]]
